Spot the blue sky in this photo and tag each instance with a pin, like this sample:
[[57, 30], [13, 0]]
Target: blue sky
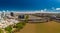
[[28, 4]]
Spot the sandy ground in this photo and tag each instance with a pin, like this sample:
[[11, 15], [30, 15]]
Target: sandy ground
[[49, 27], [29, 28]]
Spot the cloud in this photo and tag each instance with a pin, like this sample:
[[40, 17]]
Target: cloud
[[57, 8]]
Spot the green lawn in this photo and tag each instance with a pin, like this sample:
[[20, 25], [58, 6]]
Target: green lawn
[[50, 27]]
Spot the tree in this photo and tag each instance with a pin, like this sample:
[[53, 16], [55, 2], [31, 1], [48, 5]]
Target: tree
[[26, 18], [19, 25], [1, 31], [9, 29]]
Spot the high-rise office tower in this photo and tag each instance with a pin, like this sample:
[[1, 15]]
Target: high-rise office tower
[[12, 14]]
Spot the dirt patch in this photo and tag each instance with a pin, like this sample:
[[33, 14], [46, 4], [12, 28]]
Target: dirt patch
[[29, 28], [50, 27]]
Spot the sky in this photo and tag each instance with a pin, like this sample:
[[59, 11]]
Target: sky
[[28, 4]]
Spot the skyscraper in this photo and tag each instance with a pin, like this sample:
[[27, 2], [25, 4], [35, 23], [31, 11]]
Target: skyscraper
[[12, 14]]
